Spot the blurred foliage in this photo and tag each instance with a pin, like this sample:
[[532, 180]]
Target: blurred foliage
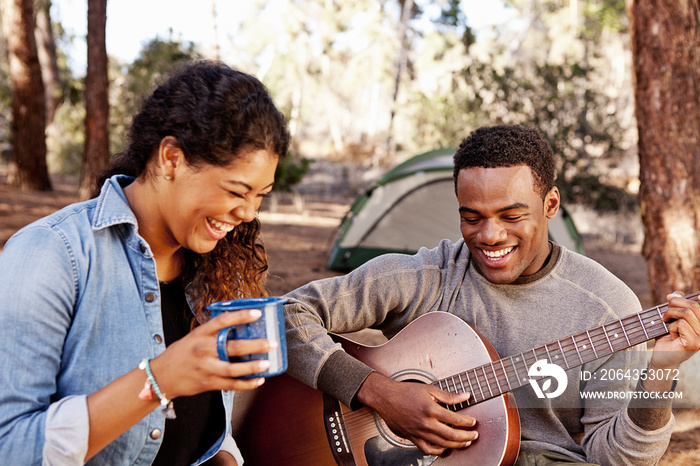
[[65, 136], [290, 171], [331, 67], [549, 77], [131, 83], [65, 139], [562, 102], [128, 84], [72, 90], [5, 102], [452, 15], [588, 190], [604, 14]]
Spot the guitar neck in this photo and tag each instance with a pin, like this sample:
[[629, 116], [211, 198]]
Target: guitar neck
[[507, 374]]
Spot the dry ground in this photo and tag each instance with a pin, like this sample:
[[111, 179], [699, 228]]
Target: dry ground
[[298, 244]]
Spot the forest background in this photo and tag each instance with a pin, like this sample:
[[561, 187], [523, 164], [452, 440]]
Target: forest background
[[366, 84], [371, 83]]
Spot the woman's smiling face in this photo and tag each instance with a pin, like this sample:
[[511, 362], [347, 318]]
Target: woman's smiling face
[[205, 203], [504, 220]]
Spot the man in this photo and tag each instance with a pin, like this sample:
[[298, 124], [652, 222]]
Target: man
[[519, 290]]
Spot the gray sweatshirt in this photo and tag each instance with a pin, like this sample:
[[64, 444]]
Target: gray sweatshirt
[[570, 294]]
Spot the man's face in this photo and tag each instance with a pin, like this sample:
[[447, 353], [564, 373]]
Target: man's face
[[504, 221]]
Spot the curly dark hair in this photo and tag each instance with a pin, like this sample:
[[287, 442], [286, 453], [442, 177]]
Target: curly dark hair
[[216, 114], [508, 146]]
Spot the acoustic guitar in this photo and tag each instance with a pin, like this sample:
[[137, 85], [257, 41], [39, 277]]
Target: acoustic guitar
[[289, 423]]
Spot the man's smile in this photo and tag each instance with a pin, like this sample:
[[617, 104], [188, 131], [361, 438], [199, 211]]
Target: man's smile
[[497, 255]]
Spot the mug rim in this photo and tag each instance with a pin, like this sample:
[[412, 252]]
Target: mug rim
[[246, 303]]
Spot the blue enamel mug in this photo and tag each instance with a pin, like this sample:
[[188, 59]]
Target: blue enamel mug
[[270, 326]]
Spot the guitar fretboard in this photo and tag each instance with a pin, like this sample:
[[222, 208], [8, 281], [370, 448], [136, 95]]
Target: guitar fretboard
[[507, 374]]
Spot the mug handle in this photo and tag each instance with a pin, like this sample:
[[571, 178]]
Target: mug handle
[[221, 340]]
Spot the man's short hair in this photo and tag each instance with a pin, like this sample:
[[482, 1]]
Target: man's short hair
[[508, 146]]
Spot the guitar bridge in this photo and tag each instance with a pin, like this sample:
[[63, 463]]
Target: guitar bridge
[[336, 433]]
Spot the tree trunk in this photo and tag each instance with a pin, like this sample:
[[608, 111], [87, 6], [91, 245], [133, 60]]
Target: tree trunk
[[46, 48], [666, 51], [27, 169], [406, 11], [96, 99]]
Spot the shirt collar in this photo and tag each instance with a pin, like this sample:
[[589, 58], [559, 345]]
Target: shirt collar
[[112, 206], [549, 264]]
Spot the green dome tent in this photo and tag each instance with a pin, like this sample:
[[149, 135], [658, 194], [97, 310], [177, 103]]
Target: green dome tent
[[411, 206]]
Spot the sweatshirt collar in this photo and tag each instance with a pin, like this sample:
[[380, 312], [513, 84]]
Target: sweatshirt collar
[[549, 264]]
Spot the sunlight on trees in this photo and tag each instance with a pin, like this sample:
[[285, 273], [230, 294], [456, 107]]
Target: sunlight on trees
[[563, 67]]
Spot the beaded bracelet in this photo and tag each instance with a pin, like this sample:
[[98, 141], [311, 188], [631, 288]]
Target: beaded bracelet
[[151, 386]]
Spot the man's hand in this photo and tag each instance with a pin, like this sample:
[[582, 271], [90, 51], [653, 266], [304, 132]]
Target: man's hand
[[682, 341], [412, 410]]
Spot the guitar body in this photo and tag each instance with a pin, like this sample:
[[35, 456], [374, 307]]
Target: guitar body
[[292, 424]]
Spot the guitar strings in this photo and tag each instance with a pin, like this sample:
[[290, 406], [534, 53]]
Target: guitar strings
[[585, 346]]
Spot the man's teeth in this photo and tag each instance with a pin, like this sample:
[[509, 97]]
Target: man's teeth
[[497, 254], [220, 226]]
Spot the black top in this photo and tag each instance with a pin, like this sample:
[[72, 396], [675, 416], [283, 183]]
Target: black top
[[200, 419]]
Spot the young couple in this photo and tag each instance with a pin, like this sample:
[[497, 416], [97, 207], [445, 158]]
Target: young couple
[[104, 332]]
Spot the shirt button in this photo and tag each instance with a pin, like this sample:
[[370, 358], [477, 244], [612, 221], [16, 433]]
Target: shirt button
[[158, 339], [155, 434], [142, 247], [150, 297]]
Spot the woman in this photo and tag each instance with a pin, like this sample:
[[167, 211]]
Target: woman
[[98, 299]]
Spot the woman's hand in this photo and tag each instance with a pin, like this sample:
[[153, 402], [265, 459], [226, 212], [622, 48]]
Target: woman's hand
[[191, 365]]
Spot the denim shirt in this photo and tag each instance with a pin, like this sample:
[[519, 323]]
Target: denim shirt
[[79, 307]]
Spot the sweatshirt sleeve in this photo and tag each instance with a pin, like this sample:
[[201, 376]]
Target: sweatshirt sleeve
[[611, 436], [619, 441], [386, 293]]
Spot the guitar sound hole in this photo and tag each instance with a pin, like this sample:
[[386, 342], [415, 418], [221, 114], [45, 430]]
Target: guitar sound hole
[[392, 437], [380, 453], [395, 440], [390, 449]]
